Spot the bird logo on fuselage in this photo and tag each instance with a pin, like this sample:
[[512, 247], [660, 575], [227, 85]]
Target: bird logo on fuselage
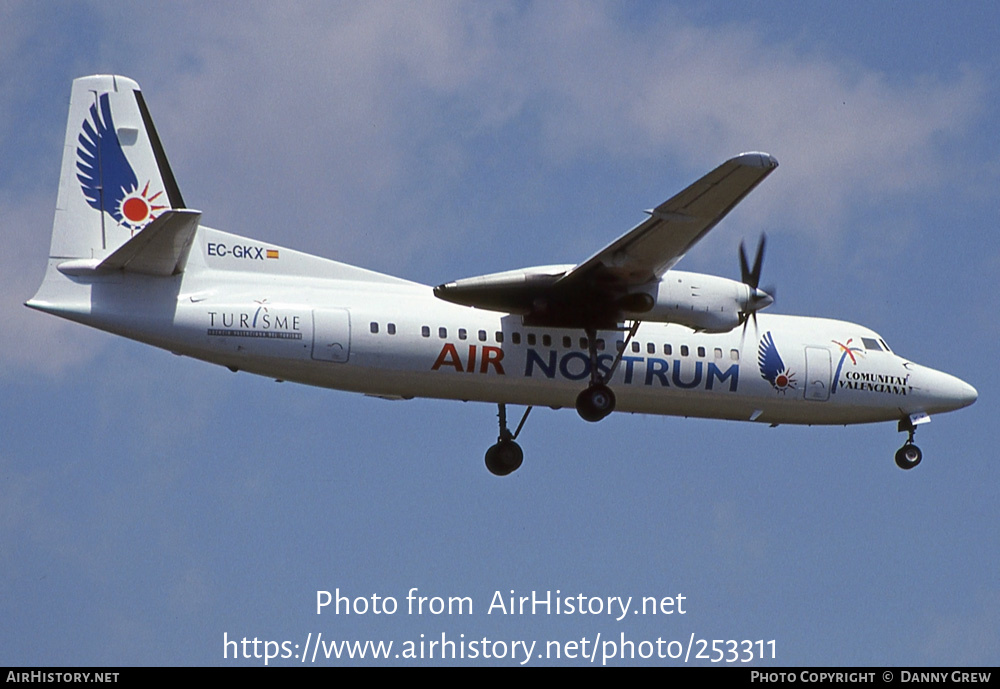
[[772, 368]]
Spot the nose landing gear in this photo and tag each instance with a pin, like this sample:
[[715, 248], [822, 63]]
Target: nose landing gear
[[909, 455]]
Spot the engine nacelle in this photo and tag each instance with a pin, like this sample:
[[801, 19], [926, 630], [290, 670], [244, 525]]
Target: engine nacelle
[[702, 302]]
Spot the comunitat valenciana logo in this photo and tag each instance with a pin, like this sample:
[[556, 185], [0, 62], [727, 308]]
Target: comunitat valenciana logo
[[846, 351], [100, 158]]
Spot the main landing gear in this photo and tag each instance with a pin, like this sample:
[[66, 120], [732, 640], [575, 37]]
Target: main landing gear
[[909, 455], [597, 401], [506, 456], [593, 404]]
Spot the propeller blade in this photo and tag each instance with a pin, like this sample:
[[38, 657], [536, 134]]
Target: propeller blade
[[744, 268], [758, 299], [752, 276], [758, 262], [745, 318]]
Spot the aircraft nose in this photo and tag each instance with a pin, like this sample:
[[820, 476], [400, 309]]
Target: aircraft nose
[[967, 394], [954, 392]]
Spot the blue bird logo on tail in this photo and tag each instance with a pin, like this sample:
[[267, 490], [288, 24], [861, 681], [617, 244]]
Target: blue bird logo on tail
[[106, 177]]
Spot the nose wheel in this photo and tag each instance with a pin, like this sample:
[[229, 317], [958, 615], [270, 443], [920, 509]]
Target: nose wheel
[[909, 455]]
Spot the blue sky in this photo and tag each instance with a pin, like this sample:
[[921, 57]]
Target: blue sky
[[150, 504]]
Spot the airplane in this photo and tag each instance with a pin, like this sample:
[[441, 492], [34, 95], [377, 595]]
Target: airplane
[[622, 330]]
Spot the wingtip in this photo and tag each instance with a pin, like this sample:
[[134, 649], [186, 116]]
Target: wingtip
[[758, 159]]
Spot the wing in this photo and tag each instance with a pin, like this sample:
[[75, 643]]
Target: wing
[[656, 245], [104, 172], [596, 292]]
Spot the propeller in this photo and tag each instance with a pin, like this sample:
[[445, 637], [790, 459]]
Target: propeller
[[759, 299]]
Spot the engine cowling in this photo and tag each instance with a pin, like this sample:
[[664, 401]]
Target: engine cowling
[[701, 302]]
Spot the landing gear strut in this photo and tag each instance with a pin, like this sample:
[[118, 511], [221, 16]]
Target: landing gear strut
[[597, 401], [506, 456], [909, 455]]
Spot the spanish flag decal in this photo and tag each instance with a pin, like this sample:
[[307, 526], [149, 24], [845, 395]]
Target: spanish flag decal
[[272, 253]]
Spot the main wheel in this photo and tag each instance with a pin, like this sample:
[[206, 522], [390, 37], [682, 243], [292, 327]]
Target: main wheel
[[908, 456], [504, 458], [596, 402]]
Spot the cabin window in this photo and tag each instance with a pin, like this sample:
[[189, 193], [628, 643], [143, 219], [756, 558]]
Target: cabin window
[[583, 343], [499, 335], [515, 338], [425, 331], [734, 354], [650, 348], [374, 328], [567, 341], [668, 349], [546, 340], [482, 336], [701, 351], [718, 352], [684, 350], [443, 333], [391, 328], [600, 344], [620, 346], [462, 334], [531, 339], [636, 347]]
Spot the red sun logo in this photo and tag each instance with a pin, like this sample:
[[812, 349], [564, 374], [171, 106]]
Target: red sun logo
[[784, 382], [138, 208]]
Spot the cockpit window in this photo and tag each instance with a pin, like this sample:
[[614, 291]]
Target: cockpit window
[[871, 344]]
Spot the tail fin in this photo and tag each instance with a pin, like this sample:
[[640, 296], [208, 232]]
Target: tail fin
[[115, 178]]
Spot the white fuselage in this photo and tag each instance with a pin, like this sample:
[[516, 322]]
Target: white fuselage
[[365, 332]]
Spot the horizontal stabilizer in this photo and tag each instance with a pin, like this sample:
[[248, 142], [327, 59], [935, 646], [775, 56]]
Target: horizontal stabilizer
[[161, 248]]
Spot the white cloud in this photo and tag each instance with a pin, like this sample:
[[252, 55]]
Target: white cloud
[[844, 135], [332, 110]]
